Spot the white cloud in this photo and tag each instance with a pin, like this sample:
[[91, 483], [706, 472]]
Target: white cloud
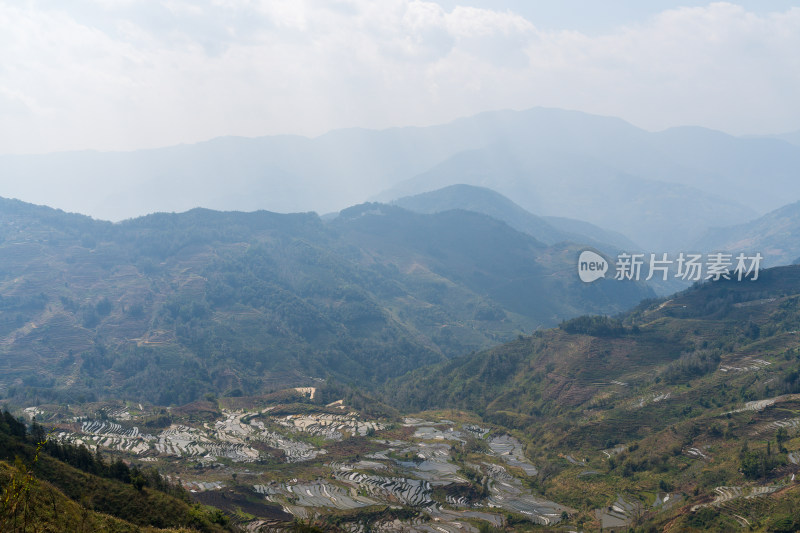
[[470, 22], [717, 66], [121, 75]]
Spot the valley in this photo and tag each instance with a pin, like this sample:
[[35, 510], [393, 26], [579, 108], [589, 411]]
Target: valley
[[320, 463], [683, 416], [248, 303], [438, 266], [387, 370]]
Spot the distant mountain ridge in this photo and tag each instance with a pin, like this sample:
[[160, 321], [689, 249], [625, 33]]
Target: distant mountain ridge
[[658, 215], [775, 235], [792, 137], [668, 186]]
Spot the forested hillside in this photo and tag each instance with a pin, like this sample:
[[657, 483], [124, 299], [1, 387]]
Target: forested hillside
[[48, 486], [686, 394], [243, 303]]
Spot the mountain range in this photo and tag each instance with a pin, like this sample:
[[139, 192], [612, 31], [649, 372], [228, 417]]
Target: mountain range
[[662, 190], [675, 414], [429, 356], [234, 303], [679, 415]]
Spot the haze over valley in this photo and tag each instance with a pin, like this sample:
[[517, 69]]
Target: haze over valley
[[661, 190], [442, 266]]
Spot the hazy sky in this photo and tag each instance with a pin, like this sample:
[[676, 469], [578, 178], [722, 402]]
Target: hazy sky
[[127, 74]]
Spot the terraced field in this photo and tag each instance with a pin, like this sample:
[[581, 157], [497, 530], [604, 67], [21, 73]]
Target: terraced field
[[791, 425], [331, 427], [317, 462], [225, 439], [618, 514], [508, 493], [510, 449], [737, 502], [316, 494], [241, 451], [432, 463]]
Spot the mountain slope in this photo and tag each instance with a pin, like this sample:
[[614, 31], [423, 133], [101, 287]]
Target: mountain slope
[[774, 235], [577, 361], [659, 215], [234, 303], [47, 486], [694, 399], [793, 137], [488, 202], [580, 228], [486, 256]]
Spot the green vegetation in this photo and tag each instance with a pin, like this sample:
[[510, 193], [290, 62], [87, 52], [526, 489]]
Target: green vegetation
[[682, 412], [655, 400], [596, 326], [241, 304], [48, 486], [759, 464]]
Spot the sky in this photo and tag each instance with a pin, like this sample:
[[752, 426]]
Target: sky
[[132, 74]]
